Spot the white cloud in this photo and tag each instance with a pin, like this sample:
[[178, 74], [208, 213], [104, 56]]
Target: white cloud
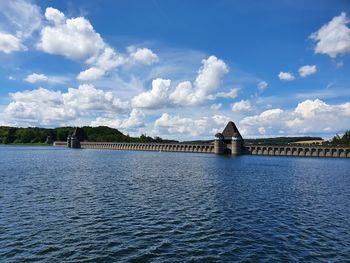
[[54, 15], [157, 97], [184, 127], [73, 38], [242, 106], [233, 93], [220, 120], [208, 79], [307, 70], [209, 75], [216, 106], [144, 56], [47, 107], [185, 94], [270, 120], [333, 38], [262, 85], [10, 43], [107, 59], [286, 76], [262, 130], [23, 17], [134, 120], [11, 78], [34, 78], [90, 74], [178, 125], [309, 117]]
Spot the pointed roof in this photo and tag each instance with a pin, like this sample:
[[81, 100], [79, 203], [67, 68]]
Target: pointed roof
[[231, 131], [80, 134]]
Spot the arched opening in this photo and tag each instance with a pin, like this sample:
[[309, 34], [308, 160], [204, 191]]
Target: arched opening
[[227, 151]]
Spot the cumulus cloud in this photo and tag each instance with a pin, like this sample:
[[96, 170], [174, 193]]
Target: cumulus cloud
[[90, 74], [333, 38], [185, 93], [107, 59], [309, 117], [134, 120], [262, 85], [220, 120], [54, 15], [157, 97], [178, 125], [209, 75], [242, 106], [287, 76], [307, 70], [216, 106], [34, 78], [184, 126], [75, 38], [22, 18], [233, 93], [144, 56], [10, 43], [45, 107], [208, 79]]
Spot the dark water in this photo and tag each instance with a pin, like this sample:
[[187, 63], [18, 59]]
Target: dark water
[[60, 205]]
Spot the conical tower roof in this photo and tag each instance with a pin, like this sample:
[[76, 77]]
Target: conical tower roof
[[231, 131], [80, 134]]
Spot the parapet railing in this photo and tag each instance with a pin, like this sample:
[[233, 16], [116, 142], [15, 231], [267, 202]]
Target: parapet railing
[[166, 147], [270, 150], [288, 150]]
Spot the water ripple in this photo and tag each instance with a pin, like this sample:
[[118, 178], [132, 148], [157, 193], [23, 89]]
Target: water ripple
[[60, 205]]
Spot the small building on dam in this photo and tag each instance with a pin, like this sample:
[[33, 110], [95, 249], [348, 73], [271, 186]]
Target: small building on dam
[[229, 141]]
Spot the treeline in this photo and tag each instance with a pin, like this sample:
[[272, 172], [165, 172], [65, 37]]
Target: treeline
[[341, 140], [94, 134], [279, 140]]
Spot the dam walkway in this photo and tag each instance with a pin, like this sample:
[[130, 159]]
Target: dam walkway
[[287, 150]]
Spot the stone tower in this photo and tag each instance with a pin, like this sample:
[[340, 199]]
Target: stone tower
[[229, 141], [219, 144], [73, 141]]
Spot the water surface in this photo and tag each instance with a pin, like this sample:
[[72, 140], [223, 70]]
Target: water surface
[[66, 205]]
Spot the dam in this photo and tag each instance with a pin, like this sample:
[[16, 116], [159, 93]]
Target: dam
[[229, 142]]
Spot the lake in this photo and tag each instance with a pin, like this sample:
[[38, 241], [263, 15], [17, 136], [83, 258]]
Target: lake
[[66, 205]]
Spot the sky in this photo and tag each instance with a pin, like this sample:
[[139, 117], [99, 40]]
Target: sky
[[177, 69]]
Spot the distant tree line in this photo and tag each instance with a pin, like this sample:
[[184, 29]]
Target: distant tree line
[[93, 134], [341, 140], [106, 134], [279, 140]]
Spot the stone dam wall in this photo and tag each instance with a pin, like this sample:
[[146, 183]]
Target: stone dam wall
[[307, 151]]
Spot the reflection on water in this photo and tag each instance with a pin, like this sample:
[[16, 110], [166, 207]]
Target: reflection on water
[[95, 205]]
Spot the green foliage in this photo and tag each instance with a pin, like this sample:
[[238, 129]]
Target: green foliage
[[279, 140], [92, 134], [341, 140], [62, 133]]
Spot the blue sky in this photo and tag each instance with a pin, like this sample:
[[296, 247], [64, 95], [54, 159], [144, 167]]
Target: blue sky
[[178, 69]]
